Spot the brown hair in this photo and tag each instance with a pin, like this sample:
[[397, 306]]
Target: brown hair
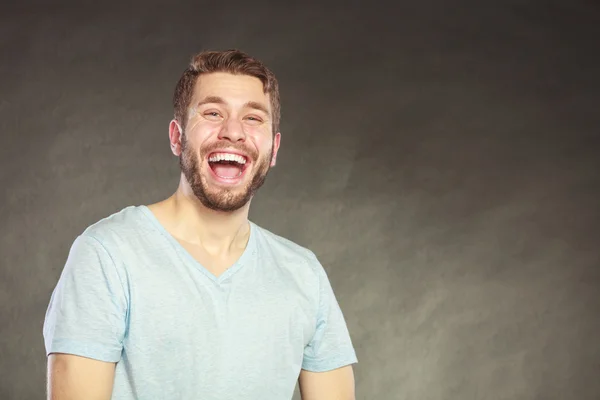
[[232, 61]]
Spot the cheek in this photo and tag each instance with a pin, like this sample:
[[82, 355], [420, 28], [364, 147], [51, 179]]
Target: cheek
[[262, 141], [202, 130], [197, 139], [190, 153], [265, 152]]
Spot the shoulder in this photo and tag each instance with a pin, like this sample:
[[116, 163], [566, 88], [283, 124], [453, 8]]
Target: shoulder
[[287, 253], [117, 234], [110, 241], [282, 247], [117, 226]]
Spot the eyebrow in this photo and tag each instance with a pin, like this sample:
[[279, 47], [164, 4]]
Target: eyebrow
[[219, 100], [257, 106], [211, 99]]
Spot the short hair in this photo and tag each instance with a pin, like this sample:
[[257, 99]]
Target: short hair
[[231, 61]]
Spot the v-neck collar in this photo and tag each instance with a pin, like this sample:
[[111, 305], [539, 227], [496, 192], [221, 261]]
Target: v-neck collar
[[246, 256]]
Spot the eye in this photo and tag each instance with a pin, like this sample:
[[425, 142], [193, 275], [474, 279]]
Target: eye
[[212, 115], [254, 119]]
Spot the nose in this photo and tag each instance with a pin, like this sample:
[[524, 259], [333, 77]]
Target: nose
[[232, 130]]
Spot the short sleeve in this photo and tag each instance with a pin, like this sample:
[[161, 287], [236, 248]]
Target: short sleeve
[[88, 307], [331, 346]]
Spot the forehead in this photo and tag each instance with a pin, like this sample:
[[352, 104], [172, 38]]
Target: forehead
[[232, 88]]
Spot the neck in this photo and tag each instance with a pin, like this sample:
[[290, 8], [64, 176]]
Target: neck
[[219, 233]]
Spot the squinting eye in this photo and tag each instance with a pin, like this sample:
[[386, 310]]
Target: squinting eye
[[254, 119], [214, 116]]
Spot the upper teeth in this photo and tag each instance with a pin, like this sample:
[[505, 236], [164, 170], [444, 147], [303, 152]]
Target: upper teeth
[[227, 157]]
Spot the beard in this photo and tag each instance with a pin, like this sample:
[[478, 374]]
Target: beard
[[220, 198]]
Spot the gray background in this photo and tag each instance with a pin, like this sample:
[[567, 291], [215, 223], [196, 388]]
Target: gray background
[[440, 158]]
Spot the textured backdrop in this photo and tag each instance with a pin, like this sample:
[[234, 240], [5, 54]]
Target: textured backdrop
[[441, 159]]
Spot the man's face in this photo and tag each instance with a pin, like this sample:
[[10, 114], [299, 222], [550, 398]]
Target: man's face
[[228, 145]]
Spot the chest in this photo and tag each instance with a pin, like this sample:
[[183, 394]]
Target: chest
[[215, 265], [257, 310], [246, 329]]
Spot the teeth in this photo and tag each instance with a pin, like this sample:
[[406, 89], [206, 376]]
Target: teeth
[[227, 157]]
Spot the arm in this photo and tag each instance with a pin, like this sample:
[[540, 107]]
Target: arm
[[85, 324], [337, 384], [327, 372], [72, 377]]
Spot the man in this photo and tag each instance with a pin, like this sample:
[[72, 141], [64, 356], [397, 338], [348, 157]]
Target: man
[[187, 298]]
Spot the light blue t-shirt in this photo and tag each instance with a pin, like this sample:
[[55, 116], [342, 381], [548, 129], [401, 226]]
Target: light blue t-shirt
[[131, 294]]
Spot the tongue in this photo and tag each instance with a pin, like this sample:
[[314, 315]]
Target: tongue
[[226, 170]]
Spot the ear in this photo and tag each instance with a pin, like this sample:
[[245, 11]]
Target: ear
[[276, 143], [175, 134]]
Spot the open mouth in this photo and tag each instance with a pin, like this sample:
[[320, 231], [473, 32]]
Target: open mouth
[[228, 167]]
